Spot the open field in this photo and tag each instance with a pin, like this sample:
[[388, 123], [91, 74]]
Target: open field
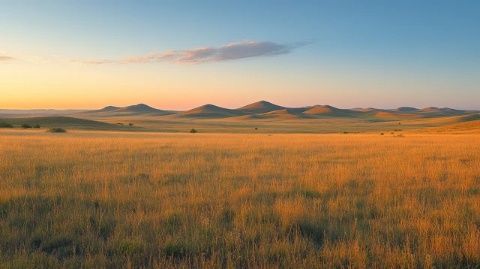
[[173, 124], [122, 199]]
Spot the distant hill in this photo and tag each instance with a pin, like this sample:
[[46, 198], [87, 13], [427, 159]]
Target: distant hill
[[263, 115], [407, 109], [282, 114], [22, 113], [393, 115], [138, 109], [260, 107], [444, 111], [60, 121], [326, 110], [260, 110], [466, 118], [211, 111], [107, 109]]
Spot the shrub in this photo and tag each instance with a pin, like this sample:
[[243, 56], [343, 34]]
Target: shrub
[[193, 131], [130, 247], [130, 124], [178, 250], [57, 130], [5, 125], [26, 126], [36, 126]]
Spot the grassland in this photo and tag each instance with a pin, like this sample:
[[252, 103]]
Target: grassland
[[258, 117], [106, 199]]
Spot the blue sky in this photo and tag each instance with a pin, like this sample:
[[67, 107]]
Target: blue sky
[[344, 53]]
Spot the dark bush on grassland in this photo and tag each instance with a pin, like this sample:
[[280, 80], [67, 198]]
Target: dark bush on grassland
[[26, 126], [57, 130], [193, 131], [5, 125], [36, 126]]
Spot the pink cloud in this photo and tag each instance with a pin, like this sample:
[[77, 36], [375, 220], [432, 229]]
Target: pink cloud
[[228, 52]]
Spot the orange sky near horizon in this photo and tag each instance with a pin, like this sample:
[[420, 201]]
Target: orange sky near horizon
[[66, 85], [182, 54]]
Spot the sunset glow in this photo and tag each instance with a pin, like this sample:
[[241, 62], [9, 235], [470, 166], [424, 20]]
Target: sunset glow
[[177, 55]]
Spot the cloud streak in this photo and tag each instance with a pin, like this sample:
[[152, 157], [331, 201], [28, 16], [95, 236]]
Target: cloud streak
[[5, 58], [228, 52]]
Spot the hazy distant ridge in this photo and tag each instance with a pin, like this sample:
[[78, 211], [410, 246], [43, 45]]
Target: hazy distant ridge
[[258, 110]]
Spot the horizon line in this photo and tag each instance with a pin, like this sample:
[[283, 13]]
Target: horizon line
[[285, 107]]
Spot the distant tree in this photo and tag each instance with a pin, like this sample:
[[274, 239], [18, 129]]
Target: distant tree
[[5, 125], [193, 131], [26, 126], [130, 124], [57, 130]]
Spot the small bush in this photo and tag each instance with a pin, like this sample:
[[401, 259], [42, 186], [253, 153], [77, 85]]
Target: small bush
[[130, 247], [5, 125], [193, 131], [178, 250], [26, 126], [57, 130], [130, 124], [36, 126]]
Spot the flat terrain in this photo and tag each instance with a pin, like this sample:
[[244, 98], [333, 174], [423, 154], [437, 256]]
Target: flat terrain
[[115, 199]]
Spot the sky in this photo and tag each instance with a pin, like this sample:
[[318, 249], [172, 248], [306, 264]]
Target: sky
[[180, 54]]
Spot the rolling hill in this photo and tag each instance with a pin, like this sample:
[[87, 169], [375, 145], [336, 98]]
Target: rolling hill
[[139, 109], [259, 108], [61, 121], [326, 110], [407, 109], [444, 111], [261, 115], [211, 111], [282, 114]]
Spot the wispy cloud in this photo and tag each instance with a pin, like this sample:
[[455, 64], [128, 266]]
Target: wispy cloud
[[228, 52], [5, 58]]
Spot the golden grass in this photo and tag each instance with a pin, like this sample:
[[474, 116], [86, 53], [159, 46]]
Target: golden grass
[[93, 199]]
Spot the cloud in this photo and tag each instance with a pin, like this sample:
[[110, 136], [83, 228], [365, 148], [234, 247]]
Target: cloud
[[5, 58], [96, 61], [229, 52]]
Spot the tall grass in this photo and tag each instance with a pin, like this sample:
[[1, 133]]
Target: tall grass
[[216, 200]]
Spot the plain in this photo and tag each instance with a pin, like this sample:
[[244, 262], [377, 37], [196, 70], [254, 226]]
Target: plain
[[110, 199]]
